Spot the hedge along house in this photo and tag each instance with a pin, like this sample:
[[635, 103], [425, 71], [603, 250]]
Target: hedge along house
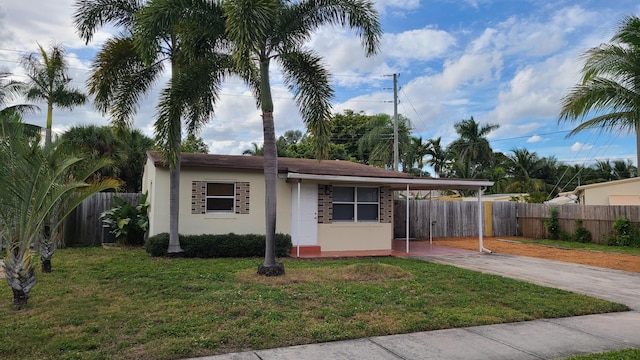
[[328, 205]]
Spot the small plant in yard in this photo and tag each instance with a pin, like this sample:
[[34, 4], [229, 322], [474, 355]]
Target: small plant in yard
[[582, 234], [127, 222], [552, 224], [624, 234]]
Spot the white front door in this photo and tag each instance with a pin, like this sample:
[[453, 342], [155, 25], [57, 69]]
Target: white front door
[[304, 217]]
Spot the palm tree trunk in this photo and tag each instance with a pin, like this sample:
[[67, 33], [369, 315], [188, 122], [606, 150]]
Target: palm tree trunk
[[638, 148], [47, 133], [270, 267], [174, 210]]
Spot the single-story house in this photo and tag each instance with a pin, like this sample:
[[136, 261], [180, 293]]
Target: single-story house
[[328, 205], [618, 192]]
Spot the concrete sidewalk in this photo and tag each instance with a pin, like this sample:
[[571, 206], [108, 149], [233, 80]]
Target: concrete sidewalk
[[539, 339]]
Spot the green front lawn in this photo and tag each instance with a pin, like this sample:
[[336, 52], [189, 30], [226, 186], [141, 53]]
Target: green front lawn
[[123, 304], [630, 354]]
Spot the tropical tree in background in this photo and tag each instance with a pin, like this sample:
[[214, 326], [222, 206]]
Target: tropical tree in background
[[439, 156], [10, 90], [195, 145], [255, 150], [472, 143], [523, 165], [50, 182], [127, 151], [263, 31], [607, 97], [377, 140], [49, 82], [186, 34]]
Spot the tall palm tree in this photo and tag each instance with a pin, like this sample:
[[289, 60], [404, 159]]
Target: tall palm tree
[[473, 143], [263, 31], [47, 184], [49, 82], [184, 33], [607, 97]]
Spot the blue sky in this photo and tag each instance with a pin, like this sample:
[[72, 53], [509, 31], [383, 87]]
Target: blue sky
[[505, 62]]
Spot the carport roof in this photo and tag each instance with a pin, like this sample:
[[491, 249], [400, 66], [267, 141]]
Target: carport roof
[[322, 171]]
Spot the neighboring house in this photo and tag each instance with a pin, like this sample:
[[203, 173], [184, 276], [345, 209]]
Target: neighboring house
[[618, 192], [328, 205]]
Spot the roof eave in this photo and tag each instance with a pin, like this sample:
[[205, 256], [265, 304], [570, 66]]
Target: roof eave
[[399, 182]]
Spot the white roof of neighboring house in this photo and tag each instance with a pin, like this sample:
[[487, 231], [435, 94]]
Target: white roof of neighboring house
[[601, 184], [563, 199]]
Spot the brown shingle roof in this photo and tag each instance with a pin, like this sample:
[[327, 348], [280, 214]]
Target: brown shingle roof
[[285, 165]]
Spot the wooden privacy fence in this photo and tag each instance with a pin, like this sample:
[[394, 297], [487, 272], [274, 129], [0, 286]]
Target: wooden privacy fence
[[84, 226], [460, 218]]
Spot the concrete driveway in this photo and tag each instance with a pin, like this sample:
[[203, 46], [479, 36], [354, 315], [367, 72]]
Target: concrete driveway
[[613, 285]]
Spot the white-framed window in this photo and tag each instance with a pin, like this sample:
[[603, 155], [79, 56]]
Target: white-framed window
[[356, 204], [221, 197]]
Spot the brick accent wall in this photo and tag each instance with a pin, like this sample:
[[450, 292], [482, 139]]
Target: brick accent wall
[[386, 205], [242, 198], [199, 197], [325, 204]]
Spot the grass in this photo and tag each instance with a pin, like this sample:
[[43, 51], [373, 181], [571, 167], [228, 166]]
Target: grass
[[583, 246], [122, 304], [629, 354]]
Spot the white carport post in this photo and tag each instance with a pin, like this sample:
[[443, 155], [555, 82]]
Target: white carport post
[[480, 218], [299, 232], [407, 217]]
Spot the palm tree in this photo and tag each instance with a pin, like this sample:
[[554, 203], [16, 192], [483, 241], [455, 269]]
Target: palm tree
[[49, 82], [255, 150], [607, 97], [524, 165], [9, 90], [472, 142], [184, 33], [439, 156], [47, 185], [263, 31], [377, 140], [624, 169]]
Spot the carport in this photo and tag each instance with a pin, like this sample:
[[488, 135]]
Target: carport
[[404, 183]]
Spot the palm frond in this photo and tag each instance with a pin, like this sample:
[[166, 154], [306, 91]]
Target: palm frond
[[91, 15], [309, 81]]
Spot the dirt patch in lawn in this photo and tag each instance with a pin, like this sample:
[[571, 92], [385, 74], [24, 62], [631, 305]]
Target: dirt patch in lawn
[[509, 246]]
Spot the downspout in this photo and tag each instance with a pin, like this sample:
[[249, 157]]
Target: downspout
[[407, 217], [482, 249]]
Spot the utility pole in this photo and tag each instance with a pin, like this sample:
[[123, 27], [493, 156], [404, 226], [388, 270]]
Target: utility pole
[[396, 156]]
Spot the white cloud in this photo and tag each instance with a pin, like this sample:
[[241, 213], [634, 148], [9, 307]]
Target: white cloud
[[420, 44], [534, 139], [469, 68], [578, 146]]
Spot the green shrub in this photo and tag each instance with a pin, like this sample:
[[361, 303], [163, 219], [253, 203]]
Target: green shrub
[[218, 246], [553, 224], [157, 245], [624, 234], [582, 234], [127, 222]]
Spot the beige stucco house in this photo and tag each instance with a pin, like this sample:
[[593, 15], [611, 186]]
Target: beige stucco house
[[619, 192], [326, 205]]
